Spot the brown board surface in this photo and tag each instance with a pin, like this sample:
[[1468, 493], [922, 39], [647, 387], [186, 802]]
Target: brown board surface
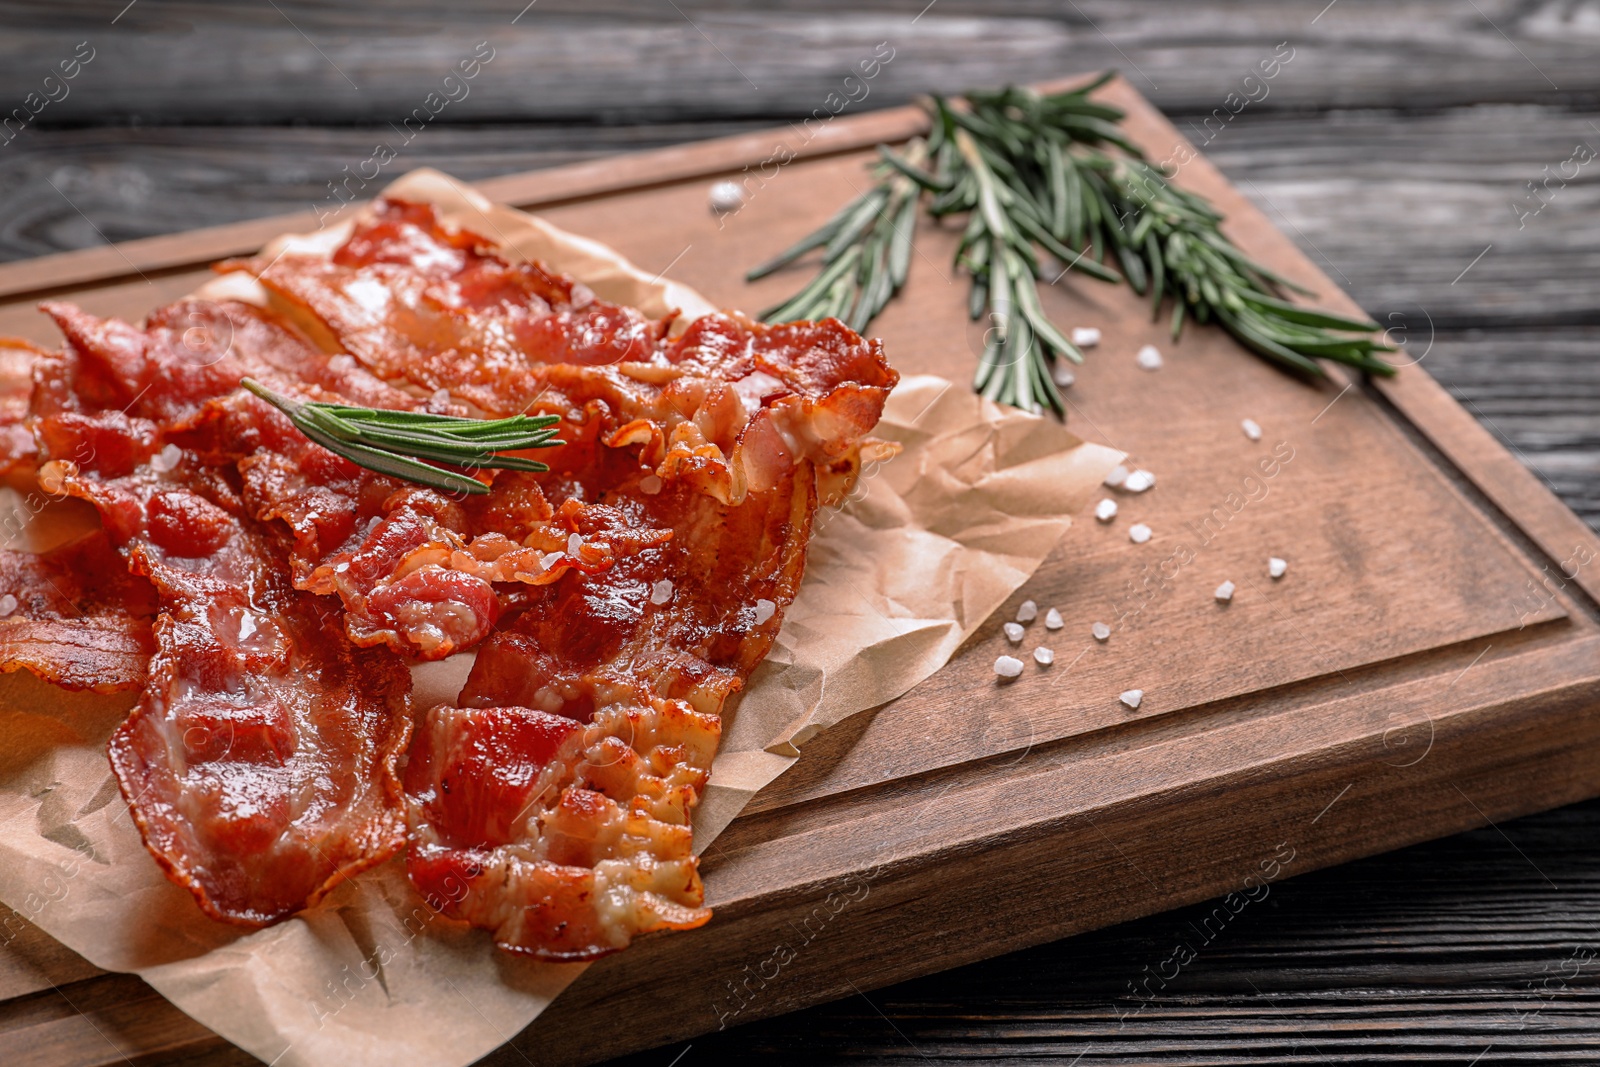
[[1430, 661]]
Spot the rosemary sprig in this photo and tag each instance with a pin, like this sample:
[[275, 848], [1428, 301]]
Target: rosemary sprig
[[1055, 174], [397, 442], [866, 254]]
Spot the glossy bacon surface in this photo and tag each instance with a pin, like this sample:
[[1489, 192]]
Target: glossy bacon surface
[[615, 602], [75, 616], [259, 764], [552, 805]]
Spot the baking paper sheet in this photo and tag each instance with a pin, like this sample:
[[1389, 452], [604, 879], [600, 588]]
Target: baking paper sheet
[[928, 546]]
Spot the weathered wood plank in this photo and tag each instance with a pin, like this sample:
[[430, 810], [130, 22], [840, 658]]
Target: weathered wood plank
[[349, 63], [78, 188], [1538, 391], [1399, 208]]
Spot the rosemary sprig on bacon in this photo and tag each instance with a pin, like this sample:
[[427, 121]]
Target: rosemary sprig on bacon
[[1054, 174], [408, 444]]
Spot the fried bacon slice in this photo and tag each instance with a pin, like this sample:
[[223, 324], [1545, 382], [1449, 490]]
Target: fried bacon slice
[[17, 360], [552, 805], [259, 764], [593, 847], [74, 616], [616, 602]]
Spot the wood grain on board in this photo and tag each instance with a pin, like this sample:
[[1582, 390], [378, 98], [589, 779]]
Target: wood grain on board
[[1398, 684]]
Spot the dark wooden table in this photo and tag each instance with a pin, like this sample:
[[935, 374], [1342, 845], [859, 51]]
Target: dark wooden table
[[1436, 158]]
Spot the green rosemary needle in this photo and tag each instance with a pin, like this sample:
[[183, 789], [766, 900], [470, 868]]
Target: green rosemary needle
[[866, 253], [1055, 175], [397, 442]]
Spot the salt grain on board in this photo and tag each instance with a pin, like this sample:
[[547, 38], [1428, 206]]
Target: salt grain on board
[[726, 197], [1106, 510], [1085, 336], [1277, 568], [1052, 620], [1063, 375], [1139, 481], [1149, 357], [1008, 666], [1013, 632], [1118, 475], [1138, 533], [1101, 631], [1252, 429], [1224, 591], [1043, 657], [1027, 611], [1133, 698]]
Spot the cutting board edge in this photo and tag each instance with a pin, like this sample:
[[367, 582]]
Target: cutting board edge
[[1476, 778]]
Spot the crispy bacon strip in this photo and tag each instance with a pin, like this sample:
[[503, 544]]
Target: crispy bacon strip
[[617, 601], [259, 764], [594, 849], [552, 806], [17, 361], [75, 616]]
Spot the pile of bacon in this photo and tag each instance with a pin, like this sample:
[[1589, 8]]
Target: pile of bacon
[[268, 596]]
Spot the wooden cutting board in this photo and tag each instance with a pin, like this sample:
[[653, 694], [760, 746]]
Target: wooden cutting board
[[1430, 662]]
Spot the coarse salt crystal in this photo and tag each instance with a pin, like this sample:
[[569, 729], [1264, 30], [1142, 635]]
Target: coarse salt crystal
[[1052, 620], [650, 485], [165, 460], [1138, 533], [1224, 591], [726, 196], [1027, 611], [1013, 632], [1139, 481], [8, 604], [765, 609], [1251, 428], [1008, 666], [1149, 357], [1043, 657], [1101, 631], [340, 568], [574, 544], [661, 592], [550, 559], [1063, 375], [1133, 698], [1277, 567], [1085, 336], [1106, 510], [1118, 475]]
